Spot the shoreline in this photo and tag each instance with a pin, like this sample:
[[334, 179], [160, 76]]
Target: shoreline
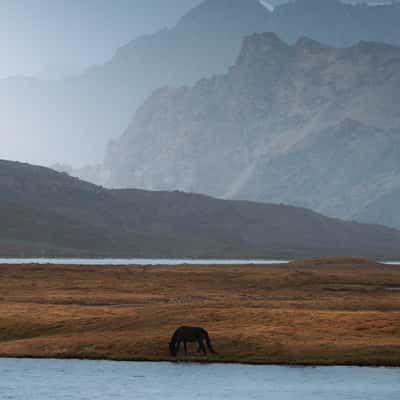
[[199, 362]]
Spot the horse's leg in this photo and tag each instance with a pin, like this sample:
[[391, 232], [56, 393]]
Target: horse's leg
[[178, 346], [201, 346], [185, 347]]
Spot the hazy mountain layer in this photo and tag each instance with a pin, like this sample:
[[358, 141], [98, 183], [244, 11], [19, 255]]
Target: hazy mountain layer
[[45, 213], [72, 121], [384, 209], [303, 124]]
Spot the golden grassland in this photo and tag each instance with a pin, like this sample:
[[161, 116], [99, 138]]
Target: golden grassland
[[331, 311]]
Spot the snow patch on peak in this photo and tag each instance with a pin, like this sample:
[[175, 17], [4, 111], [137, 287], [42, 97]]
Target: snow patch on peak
[[267, 5]]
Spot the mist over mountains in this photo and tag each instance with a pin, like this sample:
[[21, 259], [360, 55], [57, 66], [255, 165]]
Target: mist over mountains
[[72, 121], [52, 39]]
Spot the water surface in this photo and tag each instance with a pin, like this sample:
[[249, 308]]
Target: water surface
[[144, 261], [94, 380], [135, 261]]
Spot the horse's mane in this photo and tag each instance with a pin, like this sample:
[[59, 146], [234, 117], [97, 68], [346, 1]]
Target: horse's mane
[[174, 337]]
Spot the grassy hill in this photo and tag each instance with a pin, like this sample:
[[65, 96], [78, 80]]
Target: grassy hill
[[46, 213]]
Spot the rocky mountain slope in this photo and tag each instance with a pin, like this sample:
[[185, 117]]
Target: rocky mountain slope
[[384, 209], [71, 121], [45, 213], [303, 124]]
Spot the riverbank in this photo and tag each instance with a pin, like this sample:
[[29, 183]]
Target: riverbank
[[324, 312]]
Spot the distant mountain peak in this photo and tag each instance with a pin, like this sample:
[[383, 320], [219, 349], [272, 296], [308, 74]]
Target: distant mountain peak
[[318, 2], [270, 7], [259, 45], [210, 10], [310, 44], [269, 39], [223, 5], [230, 3]]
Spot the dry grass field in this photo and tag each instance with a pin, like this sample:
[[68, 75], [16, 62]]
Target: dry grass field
[[332, 311]]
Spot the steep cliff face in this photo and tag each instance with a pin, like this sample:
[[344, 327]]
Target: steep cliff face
[[303, 124], [341, 170]]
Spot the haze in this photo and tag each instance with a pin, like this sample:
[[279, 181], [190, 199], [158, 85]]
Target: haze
[[54, 38]]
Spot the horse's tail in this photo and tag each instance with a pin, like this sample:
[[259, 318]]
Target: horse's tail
[[208, 341]]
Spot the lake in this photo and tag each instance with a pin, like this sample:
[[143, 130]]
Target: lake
[[134, 261], [143, 261], [22, 379]]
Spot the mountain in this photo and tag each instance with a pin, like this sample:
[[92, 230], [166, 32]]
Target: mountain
[[46, 213], [383, 209], [304, 124], [335, 23], [341, 170], [71, 121]]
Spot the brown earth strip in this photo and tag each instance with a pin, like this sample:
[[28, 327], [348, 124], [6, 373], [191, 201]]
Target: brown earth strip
[[332, 311]]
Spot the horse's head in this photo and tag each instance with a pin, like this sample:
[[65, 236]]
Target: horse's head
[[172, 349]]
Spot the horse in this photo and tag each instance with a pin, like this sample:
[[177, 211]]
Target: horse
[[190, 334]]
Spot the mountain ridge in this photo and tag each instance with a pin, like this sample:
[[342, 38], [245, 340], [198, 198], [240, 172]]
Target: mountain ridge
[[47, 214]]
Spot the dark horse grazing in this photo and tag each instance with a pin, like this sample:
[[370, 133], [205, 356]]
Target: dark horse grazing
[[188, 334]]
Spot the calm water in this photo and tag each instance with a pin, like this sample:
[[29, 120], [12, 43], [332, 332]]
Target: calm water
[[95, 380], [133, 261], [143, 261]]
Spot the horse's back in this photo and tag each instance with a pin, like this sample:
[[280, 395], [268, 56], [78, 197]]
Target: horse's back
[[190, 332]]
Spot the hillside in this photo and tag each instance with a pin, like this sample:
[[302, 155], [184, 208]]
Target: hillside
[[74, 119], [45, 213], [322, 131]]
